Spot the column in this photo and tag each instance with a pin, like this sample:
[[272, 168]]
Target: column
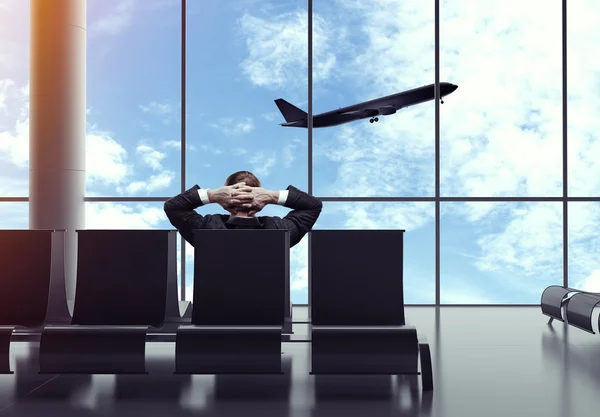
[[58, 123]]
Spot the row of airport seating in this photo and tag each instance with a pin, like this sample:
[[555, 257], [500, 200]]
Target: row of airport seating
[[127, 287], [570, 305]]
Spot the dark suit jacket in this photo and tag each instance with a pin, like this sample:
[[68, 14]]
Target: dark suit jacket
[[304, 214]]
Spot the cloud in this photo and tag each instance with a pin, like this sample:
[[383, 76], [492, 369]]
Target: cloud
[[299, 266], [5, 88], [106, 159], [212, 149], [166, 111], [262, 163], [377, 216], [14, 32], [527, 245], [591, 283], [14, 215], [14, 146], [173, 144], [115, 21], [107, 162], [123, 216], [153, 183], [584, 245], [278, 49], [288, 157], [239, 151], [157, 108], [150, 156], [229, 126], [270, 116], [462, 293]]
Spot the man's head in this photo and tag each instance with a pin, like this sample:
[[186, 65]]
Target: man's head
[[243, 176], [250, 180]]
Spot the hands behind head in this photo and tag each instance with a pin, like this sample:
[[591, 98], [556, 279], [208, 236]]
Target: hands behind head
[[240, 198]]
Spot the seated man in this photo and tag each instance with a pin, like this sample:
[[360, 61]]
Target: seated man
[[243, 197]]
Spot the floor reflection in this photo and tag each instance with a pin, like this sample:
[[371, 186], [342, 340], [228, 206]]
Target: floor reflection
[[554, 372]]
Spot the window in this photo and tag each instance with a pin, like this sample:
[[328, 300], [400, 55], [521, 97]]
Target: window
[[14, 215], [14, 99], [583, 78], [239, 60], [499, 253], [133, 98], [501, 131], [584, 246], [363, 51]]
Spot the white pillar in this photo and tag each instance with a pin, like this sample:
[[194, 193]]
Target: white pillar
[[57, 123]]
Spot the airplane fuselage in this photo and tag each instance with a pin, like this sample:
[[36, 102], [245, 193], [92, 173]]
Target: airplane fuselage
[[381, 106]]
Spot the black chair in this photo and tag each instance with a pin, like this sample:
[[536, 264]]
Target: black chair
[[579, 306], [358, 324], [32, 284], [239, 303], [122, 280]]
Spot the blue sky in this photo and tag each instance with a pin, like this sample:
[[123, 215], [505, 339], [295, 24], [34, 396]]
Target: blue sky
[[501, 131]]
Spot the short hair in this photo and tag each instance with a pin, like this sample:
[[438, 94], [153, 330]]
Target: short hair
[[243, 176]]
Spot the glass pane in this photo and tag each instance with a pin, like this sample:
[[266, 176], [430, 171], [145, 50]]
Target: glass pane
[[364, 51], [14, 215], [584, 246], [130, 216], [501, 131], [583, 80], [499, 253], [419, 239], [14, 99], [133, 98], [233, 121]]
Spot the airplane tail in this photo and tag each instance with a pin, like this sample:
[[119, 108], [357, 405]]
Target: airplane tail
[[290, 112]]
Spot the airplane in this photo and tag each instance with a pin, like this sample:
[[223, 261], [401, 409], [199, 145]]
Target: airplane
[[295, 117]]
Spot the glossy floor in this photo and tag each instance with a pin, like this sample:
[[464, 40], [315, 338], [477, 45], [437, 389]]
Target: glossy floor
[[488, 361]]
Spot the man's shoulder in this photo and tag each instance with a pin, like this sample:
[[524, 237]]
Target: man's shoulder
[[271, 222]]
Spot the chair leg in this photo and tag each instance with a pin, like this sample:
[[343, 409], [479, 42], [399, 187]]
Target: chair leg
[[426, 368], [5, 336]]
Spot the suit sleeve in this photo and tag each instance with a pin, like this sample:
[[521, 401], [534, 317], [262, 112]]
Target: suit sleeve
[[304, 214], [182, 214]]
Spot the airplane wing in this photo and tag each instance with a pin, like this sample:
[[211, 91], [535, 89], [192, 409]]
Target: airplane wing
[[361, 113]]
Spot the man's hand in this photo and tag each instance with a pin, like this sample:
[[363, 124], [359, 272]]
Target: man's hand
[[232, 198], [261, 198]]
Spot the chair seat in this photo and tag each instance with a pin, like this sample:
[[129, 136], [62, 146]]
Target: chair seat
[[364, 350], [365, 329], [93, 349], [204, 349]]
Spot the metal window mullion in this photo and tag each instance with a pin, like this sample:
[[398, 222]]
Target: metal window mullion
[[183, 135], [565, 149], [310, 139], [437, 151]]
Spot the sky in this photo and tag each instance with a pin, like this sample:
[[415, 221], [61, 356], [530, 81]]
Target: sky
[[501, 131]]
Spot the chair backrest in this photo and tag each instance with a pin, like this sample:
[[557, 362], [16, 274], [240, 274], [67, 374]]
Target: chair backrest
[[356, 277], [122, 276], [25, 269], [240, 276]]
